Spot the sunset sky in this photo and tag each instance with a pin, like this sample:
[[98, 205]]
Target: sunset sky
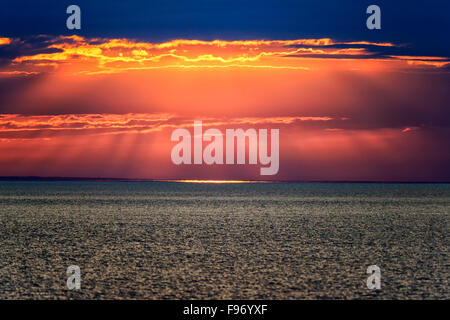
[[350, 103]]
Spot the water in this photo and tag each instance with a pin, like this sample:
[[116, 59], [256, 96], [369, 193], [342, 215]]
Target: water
[[165, 240]]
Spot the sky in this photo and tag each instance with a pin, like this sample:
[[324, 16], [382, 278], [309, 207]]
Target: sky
[[351, 104]]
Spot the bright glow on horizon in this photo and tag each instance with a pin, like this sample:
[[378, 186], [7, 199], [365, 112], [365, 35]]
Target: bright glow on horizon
[[218, 181]]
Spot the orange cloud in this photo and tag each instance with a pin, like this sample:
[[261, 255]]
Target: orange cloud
[[5, 41], [424, 60], [15, 126], [96, 56], [408, 129]]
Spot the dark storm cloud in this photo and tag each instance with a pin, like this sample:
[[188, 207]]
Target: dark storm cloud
[[26, 47], [374, 51]]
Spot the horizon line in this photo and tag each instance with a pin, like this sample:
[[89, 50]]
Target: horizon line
[[215, 181]]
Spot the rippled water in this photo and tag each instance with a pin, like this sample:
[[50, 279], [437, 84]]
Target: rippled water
[[162, 240]]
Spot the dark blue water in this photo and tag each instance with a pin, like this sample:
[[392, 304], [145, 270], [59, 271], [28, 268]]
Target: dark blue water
[[163, 240]]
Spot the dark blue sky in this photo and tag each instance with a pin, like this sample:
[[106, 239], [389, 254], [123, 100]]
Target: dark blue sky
[[424, 25]]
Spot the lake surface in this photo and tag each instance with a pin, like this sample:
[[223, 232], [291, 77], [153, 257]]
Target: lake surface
[[167, 240]]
